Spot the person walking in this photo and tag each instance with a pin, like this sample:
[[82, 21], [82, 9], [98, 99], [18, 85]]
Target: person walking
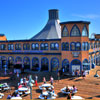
[[36, 78], [44, 80], [51, 80], [58, 75]]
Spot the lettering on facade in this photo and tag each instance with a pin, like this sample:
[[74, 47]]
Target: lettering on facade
[[75, 54]]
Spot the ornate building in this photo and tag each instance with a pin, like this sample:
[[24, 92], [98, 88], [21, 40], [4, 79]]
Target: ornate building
[[57, 45]]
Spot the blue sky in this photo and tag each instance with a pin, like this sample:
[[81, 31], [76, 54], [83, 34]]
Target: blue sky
[[22, 19]]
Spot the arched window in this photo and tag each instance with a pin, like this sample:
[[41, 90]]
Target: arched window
[[26, 63], [26, 46], [65, 46], [76, 65], [35, 46], [84, 31], [18, 63], [85, 46], [78, 46], [4, 61], [44, 64], [44, 46], [54, 64], [65, 65], [85, 65], [54, 46], [35, 64], [65, 32], [72, 46], [10, 62], [75, 31]]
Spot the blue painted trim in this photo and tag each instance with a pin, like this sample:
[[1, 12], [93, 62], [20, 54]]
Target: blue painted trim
[[37, 53], [72, 64], [51, 63], [63, 30], [47, 61], [31, 40], [38, 62], [72, 29]]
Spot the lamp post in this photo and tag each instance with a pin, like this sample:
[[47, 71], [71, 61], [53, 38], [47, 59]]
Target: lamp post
[[29, 84]]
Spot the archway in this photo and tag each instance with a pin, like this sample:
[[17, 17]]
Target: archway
[[4, 61], [10, 62], [86, 65], [65, 65], [26, 62], [44, 64], [35, 64], [54, 64], [76, 65], [18, 63]]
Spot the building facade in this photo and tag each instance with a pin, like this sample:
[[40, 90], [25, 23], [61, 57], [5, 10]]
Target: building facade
[[58, 45]]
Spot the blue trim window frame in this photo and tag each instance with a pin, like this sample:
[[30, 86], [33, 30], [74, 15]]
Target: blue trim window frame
[[54, 46], [85, 46], [18, 46], [35, 46], [26, 61], [10, 47], [54, 64], [85, 31], [72, 46], [65, 46], [86, 65], [26, 46], [3, 47], [78, 46], [44, 46], [65, 32], [75, 32]]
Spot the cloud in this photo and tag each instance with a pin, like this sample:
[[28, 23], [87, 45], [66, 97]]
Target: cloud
[[89, 16]]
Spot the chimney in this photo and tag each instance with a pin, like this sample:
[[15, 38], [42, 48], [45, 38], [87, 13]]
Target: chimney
[[53, 14]]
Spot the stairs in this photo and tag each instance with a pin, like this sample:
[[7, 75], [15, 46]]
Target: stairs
[[93, 71]]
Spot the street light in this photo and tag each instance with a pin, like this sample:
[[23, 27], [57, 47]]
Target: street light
[[29, 84]]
